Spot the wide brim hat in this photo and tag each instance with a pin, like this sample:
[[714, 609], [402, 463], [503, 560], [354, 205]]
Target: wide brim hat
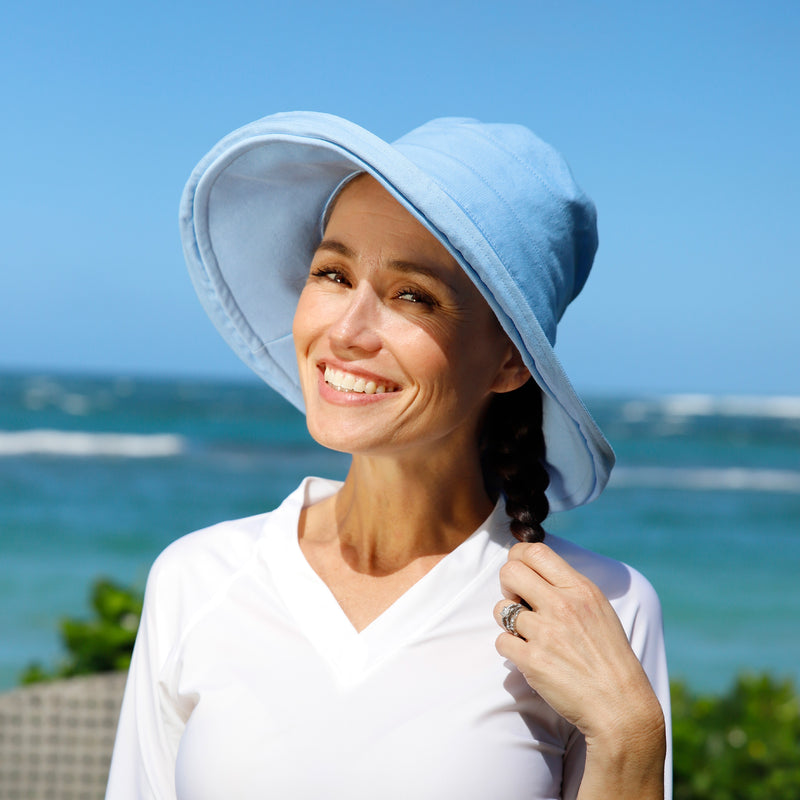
[[501, 201]]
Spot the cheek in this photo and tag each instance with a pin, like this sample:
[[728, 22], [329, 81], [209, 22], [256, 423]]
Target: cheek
[[299, 317], [423, 354], [306, 321], [457, 357], [477, 363]]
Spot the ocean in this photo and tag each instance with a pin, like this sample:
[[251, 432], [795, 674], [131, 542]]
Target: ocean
[[99, 474]]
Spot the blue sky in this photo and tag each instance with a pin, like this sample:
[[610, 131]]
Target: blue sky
[[680, 120]]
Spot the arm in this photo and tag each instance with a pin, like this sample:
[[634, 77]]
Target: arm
[[150, 722], [576, 654]]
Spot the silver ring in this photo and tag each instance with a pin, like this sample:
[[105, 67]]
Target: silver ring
[[509, 617]]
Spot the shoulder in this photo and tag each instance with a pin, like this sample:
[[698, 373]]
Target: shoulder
[[199, 567], [629, 592], [212, 553], [217, 549], [194, 568]]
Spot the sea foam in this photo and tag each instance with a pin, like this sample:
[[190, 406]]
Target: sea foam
[[84, 444], [703, 405], [706, 478]]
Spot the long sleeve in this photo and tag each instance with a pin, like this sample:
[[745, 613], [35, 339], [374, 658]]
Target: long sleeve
[[185, 581], [638, 607], [150, 724]]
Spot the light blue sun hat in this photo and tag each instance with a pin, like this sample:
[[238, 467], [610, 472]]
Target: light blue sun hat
[[502, 202]]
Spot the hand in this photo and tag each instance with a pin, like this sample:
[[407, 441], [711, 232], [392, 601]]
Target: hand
[[573, 651]]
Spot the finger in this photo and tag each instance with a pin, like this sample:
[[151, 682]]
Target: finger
[[512, 596], [511, 647], [519, 583], [499, 616], [546, 563]]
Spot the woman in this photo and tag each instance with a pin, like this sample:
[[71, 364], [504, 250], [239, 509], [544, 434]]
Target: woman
[[343, 645]]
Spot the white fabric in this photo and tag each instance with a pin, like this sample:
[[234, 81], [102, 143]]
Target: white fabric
[[248, 681]]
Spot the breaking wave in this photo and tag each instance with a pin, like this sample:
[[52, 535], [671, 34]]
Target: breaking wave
[[707, 478], [84, 444], [703, 405]]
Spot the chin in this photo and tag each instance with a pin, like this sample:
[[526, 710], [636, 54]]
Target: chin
[[345, 439]]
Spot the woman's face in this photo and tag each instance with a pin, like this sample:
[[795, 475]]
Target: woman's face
[[397, 350]]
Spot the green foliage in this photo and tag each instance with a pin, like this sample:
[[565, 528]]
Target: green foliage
[[744, 745], [101, 644]]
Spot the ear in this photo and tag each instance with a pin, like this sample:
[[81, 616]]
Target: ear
[[512, 373]]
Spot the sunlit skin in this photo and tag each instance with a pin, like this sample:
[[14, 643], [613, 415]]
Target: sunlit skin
[[385, 301], [389, 316]]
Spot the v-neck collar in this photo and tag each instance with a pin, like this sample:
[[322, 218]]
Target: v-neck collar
[[316, 613]]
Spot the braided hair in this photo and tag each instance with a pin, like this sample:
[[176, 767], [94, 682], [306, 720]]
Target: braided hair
[[512, 456]]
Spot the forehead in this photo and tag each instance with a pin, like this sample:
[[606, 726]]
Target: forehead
[[366, 213]]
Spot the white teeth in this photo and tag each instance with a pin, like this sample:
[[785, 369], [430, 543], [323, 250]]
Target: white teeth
[[345, 382]]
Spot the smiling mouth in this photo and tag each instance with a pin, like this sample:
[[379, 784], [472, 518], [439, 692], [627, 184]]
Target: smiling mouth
[[346, 382]]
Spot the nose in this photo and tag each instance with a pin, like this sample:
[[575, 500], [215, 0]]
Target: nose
[[356, 328]]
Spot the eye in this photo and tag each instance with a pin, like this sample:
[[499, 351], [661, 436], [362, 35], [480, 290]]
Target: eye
[[332, 274], [416, 296]]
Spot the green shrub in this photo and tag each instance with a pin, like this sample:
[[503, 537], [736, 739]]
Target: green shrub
[[101, 644], [743, 745]]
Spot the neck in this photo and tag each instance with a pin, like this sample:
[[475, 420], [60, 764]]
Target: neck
[[391, 511]]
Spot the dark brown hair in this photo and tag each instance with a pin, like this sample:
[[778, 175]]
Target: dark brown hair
[[512, 456]]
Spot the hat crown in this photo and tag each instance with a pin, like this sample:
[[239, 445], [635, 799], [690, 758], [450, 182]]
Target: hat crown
[[520, 193]]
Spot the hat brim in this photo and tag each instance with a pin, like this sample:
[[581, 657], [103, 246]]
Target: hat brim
[[250, 217]]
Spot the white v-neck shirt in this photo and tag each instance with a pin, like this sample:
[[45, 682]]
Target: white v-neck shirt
[[249, 681]]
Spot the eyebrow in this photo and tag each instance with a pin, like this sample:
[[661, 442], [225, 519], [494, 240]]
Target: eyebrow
[[399, 265], [335, 247], [413, 268]]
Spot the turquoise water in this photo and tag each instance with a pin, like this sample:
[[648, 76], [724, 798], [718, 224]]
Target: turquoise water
[[98, 475]]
